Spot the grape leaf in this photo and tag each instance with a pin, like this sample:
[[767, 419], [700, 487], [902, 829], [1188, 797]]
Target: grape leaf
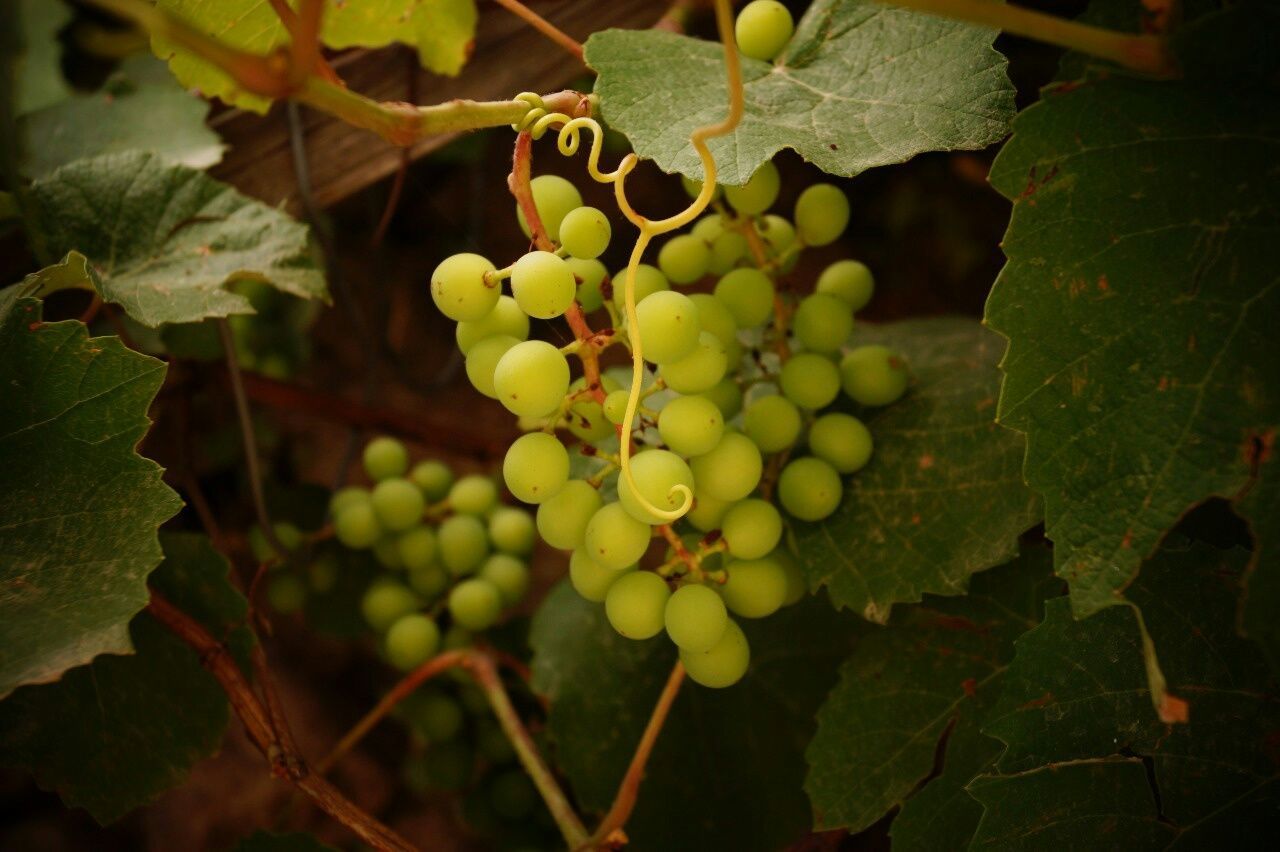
[[112, 735], [727, 768], [78, 507], [39, 70], [1138, 300], [943, 495], [165, 239], [926, 677], [860, 85], [70, 273]]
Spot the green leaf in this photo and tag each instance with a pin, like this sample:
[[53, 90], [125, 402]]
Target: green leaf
[[925, 678], [727, 768], [39, 78], [860, 85], [78, 507], [943, 496], [1138, 301], [112, 735], [70, 273], [165, 239], [265, 841]]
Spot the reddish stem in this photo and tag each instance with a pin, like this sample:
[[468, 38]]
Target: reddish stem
[[543, 26]]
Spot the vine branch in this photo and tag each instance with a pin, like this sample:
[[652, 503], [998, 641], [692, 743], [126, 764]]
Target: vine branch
[[543, 26]]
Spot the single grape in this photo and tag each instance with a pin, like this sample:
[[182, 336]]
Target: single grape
[[727, 250], [748, 294], [809, 489], [614, 539], [286, 593], [848, 280], [752, 528], [461, 289], [387, 552], [385, 458], [667, 325], [585, 233], [797, 588], [763, 28], [649, 280], [513, 795], [810, 380], [506, 319], [482, 362], [656, 473], [758, 194], [512, 531], [590, 275], [695, 618], [536, 467], [773, 423], [731, 471], [463, 544], [435, 715], [756, 587], [417, 548], [778, 234], [411, 641], [684, 259], [727, 396], [385, 602], [698, 371], [615, 406], [636, 603], [874, 375], [693, 188], [707, 511], [322, 575], [563, 519], [709, 226], [357, 526], [589, 578], [553, 197], [822, 323], [433, 477], [473, 495], [822, 214], [721, 665], [690, 425], [348, 496], [475, 604], [398, 504], [714, 317], [543, 284], [842, 441], [428, 581], [532, 378], [509, 575]]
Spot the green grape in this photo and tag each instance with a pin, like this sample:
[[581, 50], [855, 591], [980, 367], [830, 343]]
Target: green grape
[[773, 423], [849, 281], [693, 188], [752, 528], [532, 378], [512, 531], [411, 641], [585, 233], [482, 362], [822, 214], [636, 603], [435, 715], [513, 796], [473, 495], [727, 396], [649, 280], [398, 504], [505, 319], [690, 425], [591, 579], [707, 511], [756, 587], [796, 586], [874, 375], [667, 325], [822, 323], [656, 473], [615, 406], [417, 548], [536, 467], [614, 539], [428, 580], [289, 536], [723, 664], [810, 380], [778, 234], [385, 602], [684, 259], [385, 458], [322, 575], [433, 477], [709, 226], [543, 284], [748, 294], [386, 551], [553, 198], [475, 604], [509, 575], [357, 526], [448, 766], [842, 441], [586, 416], [763, 28], [460, 288], [727, 251], [463, 544], [563, 519], [286, 593], [731, 471], [348, 496], [758, 194], [809, 489], [698, 371], [590, 275], [695, 618], [714, 317]]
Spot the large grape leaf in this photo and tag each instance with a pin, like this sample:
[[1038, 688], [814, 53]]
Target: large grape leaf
[[78, 507], [70, 273], [925, 678], [860, 85], [165, 239], [112, 735], [1138, 301], [1076, 716], [727, 769], [943, 495]]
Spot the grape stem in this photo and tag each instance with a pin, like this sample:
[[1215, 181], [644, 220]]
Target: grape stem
[[543, 26], [683, 553]]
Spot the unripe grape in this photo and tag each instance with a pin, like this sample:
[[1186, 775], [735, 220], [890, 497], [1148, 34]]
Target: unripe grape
[[714, 317], [385, 602], [778, 234], [684, 259], [585, 233], [695, 618], [752, 528], [773, 423], [758, 194], [797, 588], [532, 378], [822, 323], [463, 544], [731, 471], [357, 526], [614, 539], [553, 197], [508, 574], [433, 477], [656, 474], [615, 406], [709, 227], [387, 552], [707, 511], [721, 665], [428, 581], [398, 504], [698, 371], [348, 496], [536, 467], [460, 288], [727, 250], [511, 530], [286, 593], [475, 604], [693, 188], [543, 284], [417, 548], [756, 587], [822, 214], [563, 519], [842, 441], [482, 362], [590, 274], [589, 578], [748, 294], [473, 495], [649, 280], [288, 535], [667, 325], [411, 641], [874, 375], [636, 603], [435, 715], [385, 457], [848, 280], [809, 489], [810, 380], [727, 396], [763, 29], [505, 319], [690, 425]]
